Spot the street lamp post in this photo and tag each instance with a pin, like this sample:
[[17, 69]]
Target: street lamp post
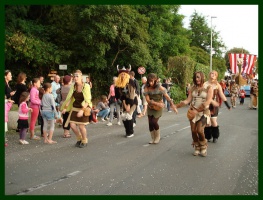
[[211, 48]]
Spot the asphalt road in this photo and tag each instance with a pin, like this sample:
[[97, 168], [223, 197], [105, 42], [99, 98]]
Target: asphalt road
[[114, 165]]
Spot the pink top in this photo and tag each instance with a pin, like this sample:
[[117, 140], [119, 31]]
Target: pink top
[[112, 90], [23, 111], [34, 98]]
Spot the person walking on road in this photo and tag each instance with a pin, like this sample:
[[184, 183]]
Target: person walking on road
[[234, 91], [154, 93], [199, 97], [78, 102], [126, 96], [218, 96], [144, 102], [113, 104]]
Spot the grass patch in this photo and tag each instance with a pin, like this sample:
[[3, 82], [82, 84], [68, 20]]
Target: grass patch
[[14, 107]]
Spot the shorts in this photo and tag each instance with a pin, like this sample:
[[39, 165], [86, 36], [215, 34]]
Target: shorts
[[48, 115]]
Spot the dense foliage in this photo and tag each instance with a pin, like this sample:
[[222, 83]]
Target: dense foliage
[[95, 38]]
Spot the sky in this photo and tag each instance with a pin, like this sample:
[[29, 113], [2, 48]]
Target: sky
[[237, 24]]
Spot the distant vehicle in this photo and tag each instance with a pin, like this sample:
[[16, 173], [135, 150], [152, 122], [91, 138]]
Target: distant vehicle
[[246, 88], [226, 93]]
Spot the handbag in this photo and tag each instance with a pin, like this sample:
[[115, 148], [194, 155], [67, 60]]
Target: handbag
[[87, 111], [155, 107], [191, 114]]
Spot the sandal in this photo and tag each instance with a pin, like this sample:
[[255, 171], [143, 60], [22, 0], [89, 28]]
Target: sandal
[[35, 138], [67, 136]]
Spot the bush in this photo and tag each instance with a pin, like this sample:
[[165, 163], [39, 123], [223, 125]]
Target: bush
[[177, 93]]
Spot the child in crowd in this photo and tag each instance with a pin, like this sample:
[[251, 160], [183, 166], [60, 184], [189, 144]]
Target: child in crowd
[[34, 104], [8, 106], [23, 117], [49, 113], [103, 109], [242, 95]]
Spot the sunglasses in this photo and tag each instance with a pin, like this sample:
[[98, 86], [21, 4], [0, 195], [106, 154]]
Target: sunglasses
[[76, 75]]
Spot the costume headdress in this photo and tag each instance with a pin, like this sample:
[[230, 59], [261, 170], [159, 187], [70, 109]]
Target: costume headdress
[[123, 69]]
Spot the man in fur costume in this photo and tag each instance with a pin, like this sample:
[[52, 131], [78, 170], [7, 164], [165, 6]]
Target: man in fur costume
[[126, 96], [234, 91], [254, 95]]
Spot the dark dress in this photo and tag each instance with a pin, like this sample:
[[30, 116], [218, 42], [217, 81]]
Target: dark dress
[[20, 87], [79, 98]]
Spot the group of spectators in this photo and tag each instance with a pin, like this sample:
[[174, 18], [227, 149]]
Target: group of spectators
[[68, 102]]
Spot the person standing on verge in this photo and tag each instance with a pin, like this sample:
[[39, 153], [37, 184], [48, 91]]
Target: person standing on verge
[[8, 91], [78, 100], [167, 87], [49, 113], [67, 80], [55, 86], [23, 117], [41, 79], [88, 81], [218, 96], [8, 106], [154, 93], [199, 97], [126, 95], [20, 87], [34, 104]]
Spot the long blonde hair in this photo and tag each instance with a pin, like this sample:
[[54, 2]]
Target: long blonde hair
[[216, 75], [121, 83]]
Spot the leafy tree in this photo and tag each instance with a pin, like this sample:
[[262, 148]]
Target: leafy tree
[[167, 35], [201, 35]]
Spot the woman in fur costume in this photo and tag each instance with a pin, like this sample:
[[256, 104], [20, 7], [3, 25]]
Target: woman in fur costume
[[126, 96], [154, 93], [200, 97], [218, 96]]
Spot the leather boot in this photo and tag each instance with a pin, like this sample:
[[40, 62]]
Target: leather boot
[[157, 136], [203, 147], [197, 149], [79, 138], [215, 133], [84, 143], [208, 133], [125, 126], [152, 136]]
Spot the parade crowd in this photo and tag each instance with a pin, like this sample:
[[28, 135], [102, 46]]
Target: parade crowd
[[67, 102]]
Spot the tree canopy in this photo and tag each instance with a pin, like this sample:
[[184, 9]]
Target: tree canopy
[[96, 38]]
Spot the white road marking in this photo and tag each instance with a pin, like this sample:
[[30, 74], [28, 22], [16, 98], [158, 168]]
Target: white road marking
[[37, 187]]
